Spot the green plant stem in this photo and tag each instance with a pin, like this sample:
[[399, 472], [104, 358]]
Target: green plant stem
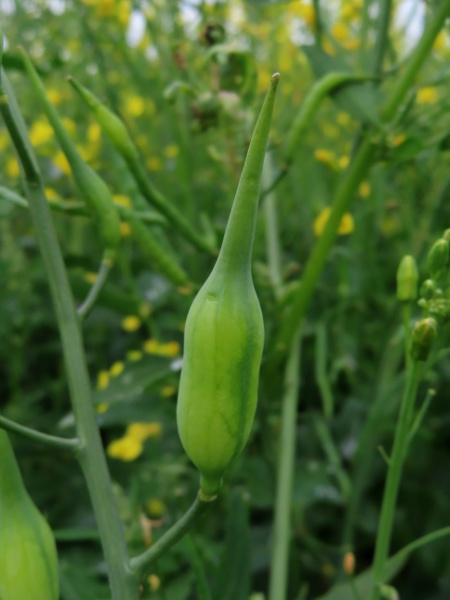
[[124, 585], [406, 314], [382, 36], [88, 304], [272, 237], [385, 523], [74, 208], [71, 444], [286, 459], [139, 563], [355, 173]]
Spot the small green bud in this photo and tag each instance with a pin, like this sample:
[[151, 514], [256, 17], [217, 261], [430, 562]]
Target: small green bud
[[422, 338], [407, 279], [388, 592], [422, 303], [427, 289], [438, 257], [446, 235]]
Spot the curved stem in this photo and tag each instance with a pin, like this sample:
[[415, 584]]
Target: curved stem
[[385, 524], [71, 444], [88, 304], [171, 537], [285, 470]]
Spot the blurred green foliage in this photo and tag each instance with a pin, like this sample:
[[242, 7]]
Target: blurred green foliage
[[189, 85]]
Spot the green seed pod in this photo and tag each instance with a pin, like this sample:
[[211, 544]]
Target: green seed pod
[[28, 559], [428, 289], [407, 279], [224, 335], [120, 138], [422, 338], [438, 258], [108, 121], [93, 189]]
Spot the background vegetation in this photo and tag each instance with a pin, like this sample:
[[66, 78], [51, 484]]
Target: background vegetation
[[190, 105]]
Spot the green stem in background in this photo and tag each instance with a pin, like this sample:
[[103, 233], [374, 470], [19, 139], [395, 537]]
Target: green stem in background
[[358, 169], [321, 371], [124, 585], [139, 563], [272, 237], [385, 524], [74, 208], [102, 276], [406, 315], [333, 456], [36, 436], [302, 120], [318, 29], [382, 36], [285, 474]]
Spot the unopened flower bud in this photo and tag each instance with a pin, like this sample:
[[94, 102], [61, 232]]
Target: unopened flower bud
[[348, 563], [422, 338], [388, 592], [427, 289], [438, 257], [407, 279]]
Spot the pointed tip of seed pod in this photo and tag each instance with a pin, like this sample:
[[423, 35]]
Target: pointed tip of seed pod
[[275, 79]]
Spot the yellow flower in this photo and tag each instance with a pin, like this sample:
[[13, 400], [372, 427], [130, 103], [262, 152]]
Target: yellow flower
[[264, 80], [61, 162], [55, 97], [154, 582], [168, 391], [328, 47], [344, 119], [94, 133], [343, 162], [168, 349], [102, 407], [125, 229], [427, 95], [51, 194], [156, 507], [142, 431], [304, 11], [364, 189], [126, 449], [134, 355], [12, 168], [40, 133], [116, 369], [340, 32], [4, 139], [135, 106], [121, 200], [90, 277], [102, 380], [346, 225], [154, 163], [326, 157], [399, 139], [440, 41], [353, 44], [131, 323], [171, 151]]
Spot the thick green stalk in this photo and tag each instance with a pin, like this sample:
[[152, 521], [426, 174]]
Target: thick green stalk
[[11, 482], [382, 36], [397, 458], [283, 499], [90, 454], [356, 172]]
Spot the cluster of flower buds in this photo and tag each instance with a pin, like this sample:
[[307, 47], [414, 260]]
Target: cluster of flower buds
[[432, 297]]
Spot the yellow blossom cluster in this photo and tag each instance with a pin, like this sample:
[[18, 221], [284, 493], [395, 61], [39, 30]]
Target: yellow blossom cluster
[[131, 445]]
